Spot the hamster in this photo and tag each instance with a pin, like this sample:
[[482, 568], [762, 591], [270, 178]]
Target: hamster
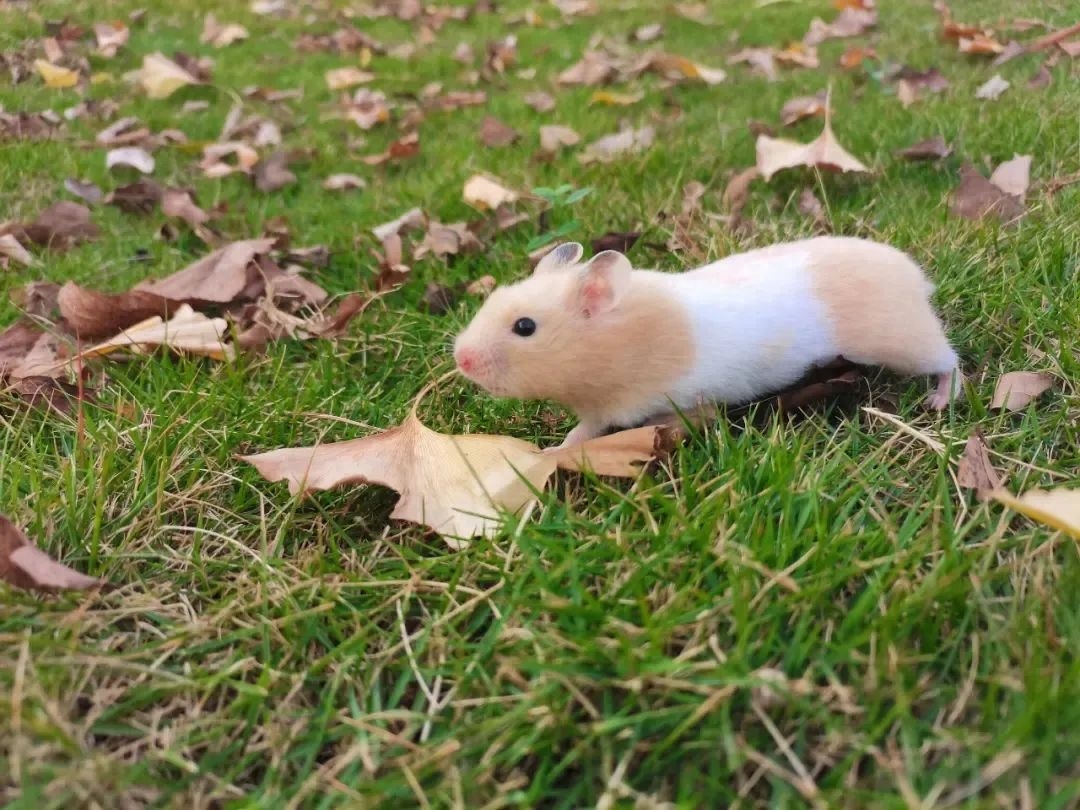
[[618, 345]]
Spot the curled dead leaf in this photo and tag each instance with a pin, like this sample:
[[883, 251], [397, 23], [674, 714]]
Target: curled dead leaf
[[612, 147], [405, 147], [344, 182], [802, 107], [24, 565], [59, 227], [11, 248], [494, 133], [131, 156], [975, 470], [187, 332], [1016, 389], [931, 149], [1058, 508], [272, 172]]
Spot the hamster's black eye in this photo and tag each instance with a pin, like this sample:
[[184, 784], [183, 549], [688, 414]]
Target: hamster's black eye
[[524, 326]]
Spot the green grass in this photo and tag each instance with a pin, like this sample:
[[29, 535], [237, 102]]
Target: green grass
[[616, 649]]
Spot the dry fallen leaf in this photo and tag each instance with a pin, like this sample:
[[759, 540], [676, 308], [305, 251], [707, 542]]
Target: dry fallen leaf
[[911, 84], [188, 331], [980, 44], [931, 149], [59, 226], [493, 132], [11, 248], [1016, 389], [612, 147], [131, 156], [1057, 508], [55, 76], [679, 67], [486, 193], [413, 219], [976, 197], [648, 33], [344, 182], [825, 152], [272, 172], [447, 239], [621, 241], [219, 277], [540, 101], [84, 190], [24, 565], [111, 36], [89, 314], [800, 107], [610, 99], [215, 158], [810, 207], [221, 35], [975, 470], [554, 138], [160, 76], [850, 22], [799, 54], [854, 56], [345, 77], [594, 68], [458, 486], [405, 147], [738, 191], [992, 89], [1013, 176]]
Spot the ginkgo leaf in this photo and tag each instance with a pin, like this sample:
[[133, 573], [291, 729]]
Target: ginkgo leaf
[[187, 331], [160, 77], [24, 565], [56, 76], [1058, 508], [824, 152], [487, 194], [458, 486]]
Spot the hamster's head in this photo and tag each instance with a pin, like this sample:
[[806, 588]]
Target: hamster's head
[[531, 340]]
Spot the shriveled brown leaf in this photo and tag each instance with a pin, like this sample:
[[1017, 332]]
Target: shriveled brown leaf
[[217, 156], [111, 37], [438, 299], [272, 172], [820, 386], [393, 272], [84, 190], [11, 248], [612, 147], [447, 239], [1013, 176], [976, 197], [140, 197], [737, 190], [595, 67], [49, 394], [798, 54], [349, 76], [850, 22], [413, 219], [220, 34], [1016, 389], [124, 132], [554, 138], [219, 277], [176, 202], [15, 343], [911, 84], [90, 314], [676, 67], [810, 207], [540, 101], [160, 76], [24, 565], [992, 89], [130, 156], [761, 60], [186, 332], [621, 241], [481, 286], [980, 44], [975, 470], [802, 107], [344, 182], [494, 133], [931, 149], [1057, 508], [1040, 79], [825, 152], [487, 193], [854, 56], [405, 147], [59, 227], [1011, 50], [458, 486]]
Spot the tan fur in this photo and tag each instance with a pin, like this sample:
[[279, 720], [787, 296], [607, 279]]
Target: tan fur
[[878, 301], [622, 357]]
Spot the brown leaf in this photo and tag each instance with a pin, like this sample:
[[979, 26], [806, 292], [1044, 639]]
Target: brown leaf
[[60, 226], [50, 394], [345, 77], [219, 34], [821, 385], [11, 248], [776, 154], [1057, 508], [1012, 50], [219, 277], [799, 54], [931, 149], [187, 332], [912, 84], [413, 219], [1016, 389], [854, 56], [215, 158], [176, 202], [553, 138], [738, 190], [123, 132], [594, 68], [349, 307], [272, 173], [975, 470], [612, 147], [487, 193], [760, 60], [160, 77], [648, 33], [140, 197], [405, 147], [976, 197], [621, 241], [458, 486], [15, 343], [24, 565], [481, 286], [800, 107], [980, 44], [676, 67], [540, 101], [1013, 176], [850, 22], [444, 240], [493, 132], [810, 207], [344, 182], [438, 299], [1040, 79], [84, 190], [90, 314], [111, 36], [367, 108]]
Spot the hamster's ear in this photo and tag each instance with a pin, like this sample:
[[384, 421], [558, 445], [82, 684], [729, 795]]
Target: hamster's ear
[[564, 255], [604, 281]]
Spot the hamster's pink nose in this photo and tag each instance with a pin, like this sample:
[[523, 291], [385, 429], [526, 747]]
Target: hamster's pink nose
[[466, 359]]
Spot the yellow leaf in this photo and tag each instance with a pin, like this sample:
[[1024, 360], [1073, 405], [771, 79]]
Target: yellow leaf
[[615, 99], [160, 77], [55, 76], [1057, 508], [103, 77]]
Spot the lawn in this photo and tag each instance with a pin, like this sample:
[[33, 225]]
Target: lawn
[[786, 612]]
